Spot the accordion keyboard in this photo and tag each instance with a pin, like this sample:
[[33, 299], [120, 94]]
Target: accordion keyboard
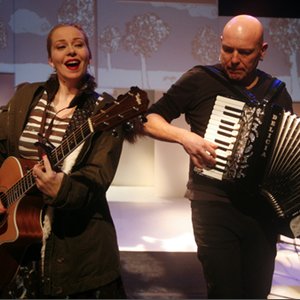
[[222, 129]]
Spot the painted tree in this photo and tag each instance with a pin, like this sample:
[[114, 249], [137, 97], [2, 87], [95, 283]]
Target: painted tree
[[109, 41], [3, 37], [285, 33], [144, 34], [205, 45], [83, 13], [79, 11]]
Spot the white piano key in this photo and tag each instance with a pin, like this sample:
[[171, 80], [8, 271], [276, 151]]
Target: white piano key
[[224, 106], [222, 153], [222, 122], [213, 173], [222, 136], [225, 111], [233, 102], [221, 131]]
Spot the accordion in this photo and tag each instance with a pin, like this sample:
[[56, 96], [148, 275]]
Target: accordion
[[258, 144]]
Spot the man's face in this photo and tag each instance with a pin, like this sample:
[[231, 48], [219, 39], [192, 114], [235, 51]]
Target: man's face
[[240, 56]]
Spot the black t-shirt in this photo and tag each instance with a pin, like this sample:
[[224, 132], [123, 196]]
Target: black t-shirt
[[194, 95]]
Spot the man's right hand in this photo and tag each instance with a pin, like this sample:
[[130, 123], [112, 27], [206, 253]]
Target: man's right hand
[[201, 151]]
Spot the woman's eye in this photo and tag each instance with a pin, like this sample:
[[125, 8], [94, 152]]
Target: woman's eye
[[60, 47], [79, 45]]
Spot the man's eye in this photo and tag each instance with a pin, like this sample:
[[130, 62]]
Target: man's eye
[[245, 52], [228, 50]]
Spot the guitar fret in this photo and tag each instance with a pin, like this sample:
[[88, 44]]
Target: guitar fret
[[69, 144], [18, 192], [21, 187], [87, 131], [24, 185], [8, 198], [32, 179]]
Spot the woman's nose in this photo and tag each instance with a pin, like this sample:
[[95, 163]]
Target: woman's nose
[[72, 50]]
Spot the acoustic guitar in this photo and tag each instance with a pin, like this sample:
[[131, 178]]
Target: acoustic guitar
[[21, 224]]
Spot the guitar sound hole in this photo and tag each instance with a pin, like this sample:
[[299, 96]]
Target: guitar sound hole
[[3, 199], [3, 216]]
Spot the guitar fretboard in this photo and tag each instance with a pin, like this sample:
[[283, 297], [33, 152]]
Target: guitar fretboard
[[56, 156]]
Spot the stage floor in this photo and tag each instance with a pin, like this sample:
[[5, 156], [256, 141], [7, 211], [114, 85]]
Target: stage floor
[[146, 223]]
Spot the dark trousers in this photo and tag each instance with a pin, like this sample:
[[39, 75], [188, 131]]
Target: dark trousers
[[237, 252], [113, 290], [26, 285]]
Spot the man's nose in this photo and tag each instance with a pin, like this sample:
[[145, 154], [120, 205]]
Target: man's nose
[[235, 57]]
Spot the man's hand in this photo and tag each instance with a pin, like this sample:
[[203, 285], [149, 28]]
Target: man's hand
[[201, 151]]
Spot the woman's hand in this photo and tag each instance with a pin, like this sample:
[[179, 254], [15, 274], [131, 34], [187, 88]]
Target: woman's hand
[[46, 179]]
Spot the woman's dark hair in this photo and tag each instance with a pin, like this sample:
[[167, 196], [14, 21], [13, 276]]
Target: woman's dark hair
[[60, 25]]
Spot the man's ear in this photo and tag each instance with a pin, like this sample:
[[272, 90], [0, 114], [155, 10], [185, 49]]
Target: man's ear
[[263, 50]]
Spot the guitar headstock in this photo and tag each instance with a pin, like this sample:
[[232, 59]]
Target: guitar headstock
[[121, 110]]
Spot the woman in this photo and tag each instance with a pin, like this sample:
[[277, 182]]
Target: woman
[[78, 257]]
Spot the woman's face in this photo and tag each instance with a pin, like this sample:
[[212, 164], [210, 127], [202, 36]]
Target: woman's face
[[69, 54]]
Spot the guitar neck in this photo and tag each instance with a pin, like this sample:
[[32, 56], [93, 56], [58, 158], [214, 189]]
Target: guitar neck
[[69, 144], [57, 155]]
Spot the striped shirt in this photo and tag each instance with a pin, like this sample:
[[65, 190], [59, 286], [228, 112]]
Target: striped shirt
[[30, 134]]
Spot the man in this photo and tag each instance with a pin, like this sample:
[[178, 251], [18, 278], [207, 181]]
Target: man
[[236, 238]]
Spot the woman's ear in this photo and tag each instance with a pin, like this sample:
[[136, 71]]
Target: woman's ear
[[50, 62]]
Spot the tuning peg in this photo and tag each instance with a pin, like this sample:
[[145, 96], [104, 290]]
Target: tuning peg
[[143, 119], [129, 126], [115, 133]]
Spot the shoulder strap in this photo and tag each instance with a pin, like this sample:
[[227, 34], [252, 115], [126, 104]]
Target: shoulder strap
[[276, 86], [239, 91]]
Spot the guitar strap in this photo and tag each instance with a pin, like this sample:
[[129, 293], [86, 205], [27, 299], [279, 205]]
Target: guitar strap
[[275, 86]]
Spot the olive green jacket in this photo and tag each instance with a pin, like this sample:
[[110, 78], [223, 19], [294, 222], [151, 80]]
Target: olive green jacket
[[81, 251]]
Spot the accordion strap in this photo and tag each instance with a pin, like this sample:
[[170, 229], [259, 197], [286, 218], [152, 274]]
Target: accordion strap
[[275, 86]]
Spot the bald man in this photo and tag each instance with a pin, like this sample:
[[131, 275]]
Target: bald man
[[235, 229]]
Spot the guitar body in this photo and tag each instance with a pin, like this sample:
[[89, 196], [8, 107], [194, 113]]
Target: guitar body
[[21, 225]]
